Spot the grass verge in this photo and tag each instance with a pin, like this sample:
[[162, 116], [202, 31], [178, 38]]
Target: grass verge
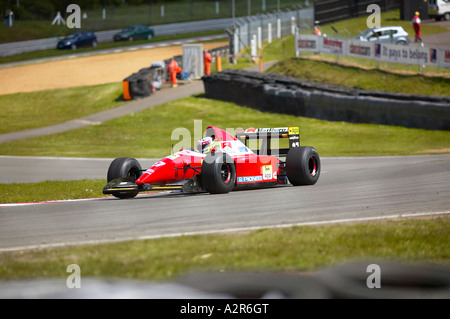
[[357, 77], [51, 191], [21, 111], [302, 248], [148, 134]]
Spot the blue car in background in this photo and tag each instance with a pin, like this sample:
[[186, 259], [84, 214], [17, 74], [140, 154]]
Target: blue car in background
[[78, 40]]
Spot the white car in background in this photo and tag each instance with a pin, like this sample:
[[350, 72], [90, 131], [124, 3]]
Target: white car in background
[[390, 34], [439, 9]]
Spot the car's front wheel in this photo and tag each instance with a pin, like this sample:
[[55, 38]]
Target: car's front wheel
[[218, 173], [124, 167]]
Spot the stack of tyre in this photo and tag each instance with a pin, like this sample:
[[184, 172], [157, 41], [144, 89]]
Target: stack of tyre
[[139, 84]]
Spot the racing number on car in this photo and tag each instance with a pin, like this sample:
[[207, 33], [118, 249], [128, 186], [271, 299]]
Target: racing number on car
[[267, 172]]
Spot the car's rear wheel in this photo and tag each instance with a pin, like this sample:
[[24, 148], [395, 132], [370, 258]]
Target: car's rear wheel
[[124, 167], [218, 173], [303, 165], [150, 36], [447, 16]]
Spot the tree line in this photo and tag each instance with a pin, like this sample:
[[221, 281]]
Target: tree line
[[47, 9]]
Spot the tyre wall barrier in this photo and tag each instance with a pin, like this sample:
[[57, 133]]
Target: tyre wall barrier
[[281, 94], [139, 84]]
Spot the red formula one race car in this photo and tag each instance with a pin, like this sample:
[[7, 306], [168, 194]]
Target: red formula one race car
[[222, 163]]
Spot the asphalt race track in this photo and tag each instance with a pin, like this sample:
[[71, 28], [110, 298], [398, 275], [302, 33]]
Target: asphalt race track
[[348, 188], [29, 169]]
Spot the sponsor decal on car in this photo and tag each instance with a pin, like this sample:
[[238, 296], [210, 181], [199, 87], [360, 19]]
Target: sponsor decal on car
[[243, 149], [249, 179], [226, 145], [294, 130]]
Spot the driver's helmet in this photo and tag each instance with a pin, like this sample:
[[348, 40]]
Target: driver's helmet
[[205, 144]]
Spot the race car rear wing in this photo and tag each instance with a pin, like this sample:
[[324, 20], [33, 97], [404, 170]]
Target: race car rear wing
[[264, 137]]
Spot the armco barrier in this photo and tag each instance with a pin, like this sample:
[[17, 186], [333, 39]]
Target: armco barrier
[[12, 48], [282, 94]]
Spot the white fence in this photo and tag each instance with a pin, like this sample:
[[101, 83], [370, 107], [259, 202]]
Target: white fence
[[269, 26], [381, 52]]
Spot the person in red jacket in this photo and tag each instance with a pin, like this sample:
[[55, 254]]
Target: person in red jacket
[[207, 60], [416, 25], [172, 69], [317, 31]]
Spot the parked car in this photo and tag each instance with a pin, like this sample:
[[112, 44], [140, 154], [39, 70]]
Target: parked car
[[439, 9], [78, 40], [384, 34], [135, 32]]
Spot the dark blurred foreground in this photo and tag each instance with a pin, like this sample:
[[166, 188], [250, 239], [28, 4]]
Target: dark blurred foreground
[[347, 281]]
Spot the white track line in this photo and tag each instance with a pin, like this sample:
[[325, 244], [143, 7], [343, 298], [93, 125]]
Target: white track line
[[52, 202], [218, 231]]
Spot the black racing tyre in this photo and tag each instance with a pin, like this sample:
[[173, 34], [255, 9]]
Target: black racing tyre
[[303, 165], [123, 167], [218, 173]]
